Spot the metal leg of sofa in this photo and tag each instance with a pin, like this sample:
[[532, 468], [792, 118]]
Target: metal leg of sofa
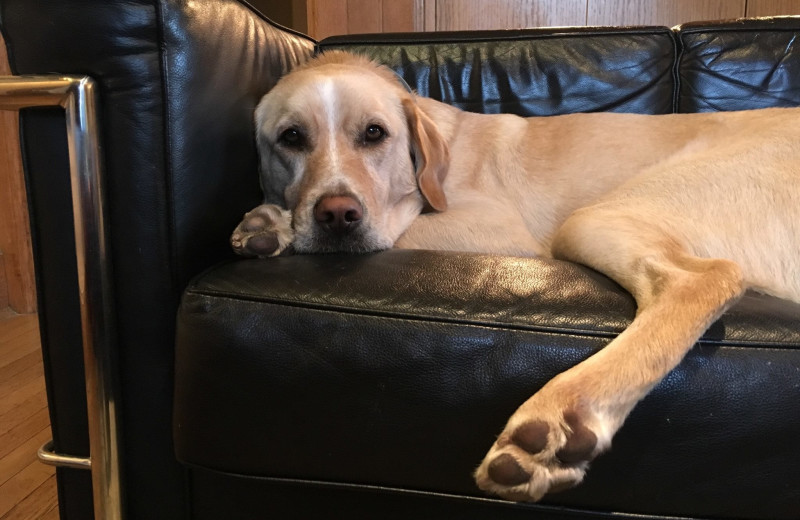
[[78, 97]]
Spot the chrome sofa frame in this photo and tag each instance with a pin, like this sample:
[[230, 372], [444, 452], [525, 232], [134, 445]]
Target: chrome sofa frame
[[77, 95]]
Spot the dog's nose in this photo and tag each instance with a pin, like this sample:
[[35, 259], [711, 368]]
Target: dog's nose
[[338, 214]]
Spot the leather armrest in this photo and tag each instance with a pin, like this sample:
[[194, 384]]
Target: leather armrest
[[178, 81]]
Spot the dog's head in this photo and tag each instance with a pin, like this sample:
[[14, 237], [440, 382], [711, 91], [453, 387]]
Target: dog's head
[[346, 149]]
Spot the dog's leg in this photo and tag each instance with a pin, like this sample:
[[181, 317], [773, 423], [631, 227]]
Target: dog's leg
[[265, 231], [549, 441]]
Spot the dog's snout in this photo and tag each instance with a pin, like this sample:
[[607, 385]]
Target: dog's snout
[[338, 214]]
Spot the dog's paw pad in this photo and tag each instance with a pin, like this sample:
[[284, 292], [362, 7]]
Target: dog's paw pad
[[531, 436], [264, 231], [581, 441], [255, 223], [538, 455], [506, 471], [263, 244]]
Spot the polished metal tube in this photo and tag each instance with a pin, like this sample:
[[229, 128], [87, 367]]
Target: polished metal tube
[[18, 92], [94, 284], [78, 97], [47, 456]]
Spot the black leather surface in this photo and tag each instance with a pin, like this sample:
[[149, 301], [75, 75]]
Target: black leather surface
[[394, 369], [57, 301], [178, 82], [533, 72], [740, 65], [235, 497], [398, 369]]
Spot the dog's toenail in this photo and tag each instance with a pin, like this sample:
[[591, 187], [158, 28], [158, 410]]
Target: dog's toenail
[[506, 471], [531, 436], [580, 443]]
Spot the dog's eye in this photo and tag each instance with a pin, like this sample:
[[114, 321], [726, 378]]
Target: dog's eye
[[374, 133], [293, 138]]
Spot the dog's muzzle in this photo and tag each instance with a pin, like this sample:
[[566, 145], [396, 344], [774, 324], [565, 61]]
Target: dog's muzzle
[[338, 215], [339, 225]]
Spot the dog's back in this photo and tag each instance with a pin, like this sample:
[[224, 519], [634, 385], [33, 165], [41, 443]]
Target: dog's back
[[718, 180]]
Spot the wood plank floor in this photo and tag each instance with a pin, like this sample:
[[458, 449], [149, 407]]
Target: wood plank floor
[[27, 487]]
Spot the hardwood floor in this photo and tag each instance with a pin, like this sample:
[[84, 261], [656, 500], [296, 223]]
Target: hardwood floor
[[27, 487]]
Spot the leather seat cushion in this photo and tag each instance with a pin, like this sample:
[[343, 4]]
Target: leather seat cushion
[[399, 368]]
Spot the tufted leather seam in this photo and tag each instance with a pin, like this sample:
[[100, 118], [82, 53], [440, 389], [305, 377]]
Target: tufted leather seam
[[450, 37], [412, 317], [169, 192], [542, 508]]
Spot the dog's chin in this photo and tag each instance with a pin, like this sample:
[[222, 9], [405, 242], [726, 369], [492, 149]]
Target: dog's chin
[[354, 243]]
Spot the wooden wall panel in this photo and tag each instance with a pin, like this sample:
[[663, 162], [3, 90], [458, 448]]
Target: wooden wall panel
[[332, 17], [364, 16], [15, 236], [660, 12], [430, 14], [403, 15], [326, 18], [452, 15], [772, 7], [299, 16], [3, 284]]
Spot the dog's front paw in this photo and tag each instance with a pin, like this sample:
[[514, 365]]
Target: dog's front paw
[[545, 448], [265, 231]]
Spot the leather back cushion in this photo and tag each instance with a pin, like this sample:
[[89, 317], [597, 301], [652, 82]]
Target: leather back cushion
[[696, 67], [533, 72], [740, 65]]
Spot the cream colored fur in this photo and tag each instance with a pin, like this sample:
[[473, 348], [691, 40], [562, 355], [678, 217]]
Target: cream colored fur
[[685, 211]]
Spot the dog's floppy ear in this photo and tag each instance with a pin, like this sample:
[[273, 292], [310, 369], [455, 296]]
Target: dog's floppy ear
[[431, 155]]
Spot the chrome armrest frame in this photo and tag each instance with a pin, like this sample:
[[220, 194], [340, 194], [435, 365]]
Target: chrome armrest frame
[[78, 97]]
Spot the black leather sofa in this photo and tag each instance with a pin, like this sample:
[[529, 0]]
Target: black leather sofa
[[370, 386]]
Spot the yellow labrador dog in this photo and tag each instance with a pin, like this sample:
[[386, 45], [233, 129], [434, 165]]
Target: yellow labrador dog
[[685, 211]]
